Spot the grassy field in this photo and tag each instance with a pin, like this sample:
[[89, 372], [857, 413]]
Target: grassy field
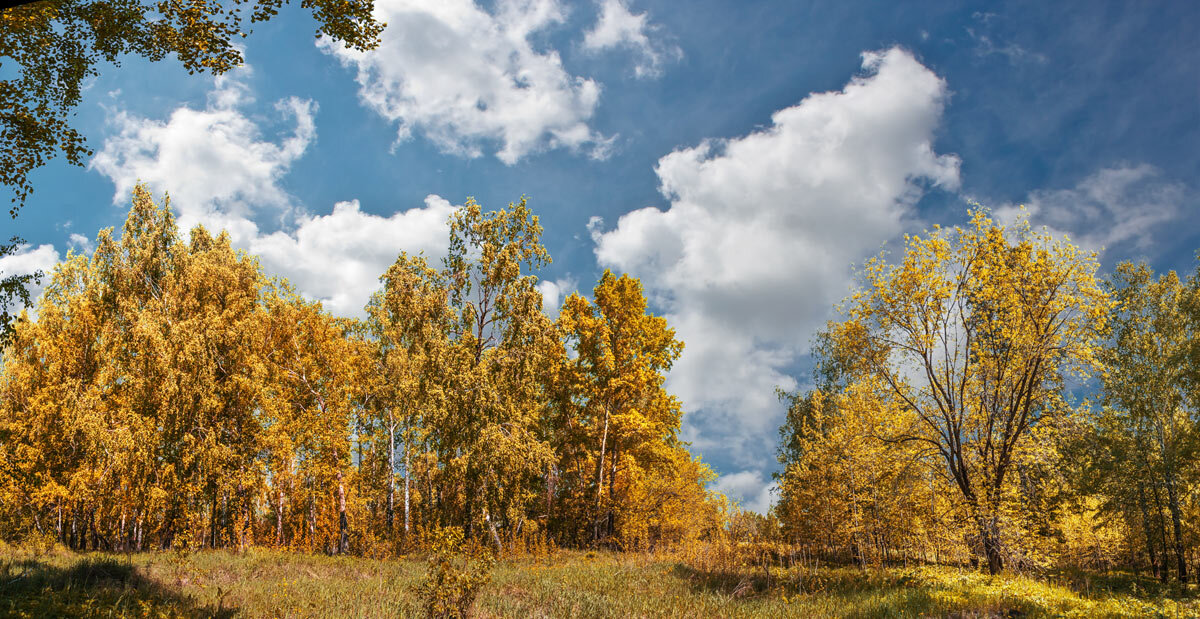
[[266, 583]]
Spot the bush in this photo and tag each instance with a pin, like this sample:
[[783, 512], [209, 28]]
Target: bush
[[455, 574]]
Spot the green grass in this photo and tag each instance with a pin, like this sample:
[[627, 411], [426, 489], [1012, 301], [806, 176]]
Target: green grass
[[267, 583]]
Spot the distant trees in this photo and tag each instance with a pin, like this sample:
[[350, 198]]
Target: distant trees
[[847, 489], [169, 394]]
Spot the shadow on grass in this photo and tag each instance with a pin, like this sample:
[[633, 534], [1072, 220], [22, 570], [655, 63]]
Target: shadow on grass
[[850, 592], [91, 587], [1140, 586]]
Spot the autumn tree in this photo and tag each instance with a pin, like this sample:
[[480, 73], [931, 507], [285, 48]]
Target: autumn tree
[[973, 333], [490, 453], [56, 46], [410, 321], [1149, 424], [316, 378], [849, 491], [143, 361], [170, 395], [623, 476]]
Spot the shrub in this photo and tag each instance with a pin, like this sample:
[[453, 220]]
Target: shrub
[[455, 574]]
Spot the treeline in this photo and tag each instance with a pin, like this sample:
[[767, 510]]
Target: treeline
[[168, 394], [987, 398]]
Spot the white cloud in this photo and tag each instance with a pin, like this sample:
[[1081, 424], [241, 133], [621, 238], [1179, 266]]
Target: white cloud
[[339, 257], [984, 46], [27, 260], [80, 243], [213, 162], [466, 78], [221, 173], [756, 245], [752, 490], [1114, 206], [618, 27], [554, 292]]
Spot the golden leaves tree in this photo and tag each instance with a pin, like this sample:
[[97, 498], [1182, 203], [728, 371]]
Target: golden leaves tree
[[1147, 434], [317, 380], [488, 444], [973, 332], [621, 461], [144, 362], [846, 487], [410, 322]]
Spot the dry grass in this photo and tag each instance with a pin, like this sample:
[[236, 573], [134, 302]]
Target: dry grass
[[267, 583]]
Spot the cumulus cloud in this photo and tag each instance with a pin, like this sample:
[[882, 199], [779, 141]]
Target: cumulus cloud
[[756, 245], [752, 490], [554, 292], [467, 79], [339, 257], [618, 27], [80, 243], [213, 161], [27, 260], [1121, 205], [221, 172]]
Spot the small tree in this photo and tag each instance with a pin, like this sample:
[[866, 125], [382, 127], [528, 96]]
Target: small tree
[[455, 574]]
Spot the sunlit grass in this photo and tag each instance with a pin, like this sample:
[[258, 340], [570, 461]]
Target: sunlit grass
[[268, 583]]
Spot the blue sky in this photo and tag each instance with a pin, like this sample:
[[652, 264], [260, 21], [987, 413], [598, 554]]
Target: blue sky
[[737, 156]]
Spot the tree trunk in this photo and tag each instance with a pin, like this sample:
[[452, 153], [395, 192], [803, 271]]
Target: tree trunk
[[407, 485], [492, 527], [1147, 530], [343, 523], [600, 479], [279, 517], [212, 522], [1162, 530], [989, 537], [612, 479], [391, 475], [1173, 504]]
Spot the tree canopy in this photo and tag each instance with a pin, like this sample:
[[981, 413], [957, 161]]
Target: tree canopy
[[171, 395]]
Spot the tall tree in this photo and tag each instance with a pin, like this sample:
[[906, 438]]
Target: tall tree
[[410, 321], [620, 409], [317, 368], [973, 333], [1146, 387], [488, 443]]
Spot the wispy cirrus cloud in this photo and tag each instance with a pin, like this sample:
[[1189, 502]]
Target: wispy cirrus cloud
[[619, 28]]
